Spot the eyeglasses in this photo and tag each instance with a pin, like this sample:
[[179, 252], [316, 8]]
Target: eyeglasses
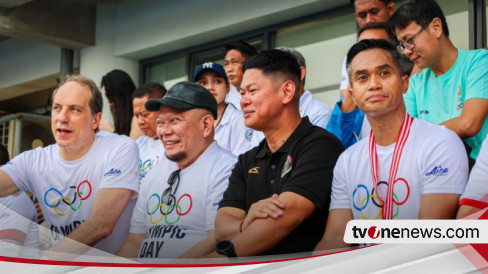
[[409, 44], [168, 196]]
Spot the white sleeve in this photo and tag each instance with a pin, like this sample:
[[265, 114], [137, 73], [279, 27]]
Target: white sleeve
[[445, 165], [477, 187], [339, 197], [139, 215], [18, 170], [344, 75], [121, 168], [215, 191]]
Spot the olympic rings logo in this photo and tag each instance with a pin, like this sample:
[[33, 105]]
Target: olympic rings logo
[[362, 191], [78, 193], [147, 165], [182, 207]]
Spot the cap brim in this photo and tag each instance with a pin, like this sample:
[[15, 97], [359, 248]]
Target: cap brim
[[155, 104]]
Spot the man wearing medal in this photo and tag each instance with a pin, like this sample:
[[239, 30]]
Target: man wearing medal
[[407, 168]]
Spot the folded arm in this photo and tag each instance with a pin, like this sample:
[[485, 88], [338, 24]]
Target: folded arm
[[471, 120]]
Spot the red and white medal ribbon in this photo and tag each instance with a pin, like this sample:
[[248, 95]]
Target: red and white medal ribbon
[[387, 212]]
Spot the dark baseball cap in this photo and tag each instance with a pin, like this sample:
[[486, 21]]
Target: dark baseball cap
[[219, 69], [184, 96]]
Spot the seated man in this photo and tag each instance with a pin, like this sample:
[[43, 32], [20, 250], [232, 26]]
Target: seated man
[[85, 181], [175, 212], [452, 90], [347, 122], [408, 169], [475, 197], [278, 192], [318, 113], [151, 151], [230, 131]]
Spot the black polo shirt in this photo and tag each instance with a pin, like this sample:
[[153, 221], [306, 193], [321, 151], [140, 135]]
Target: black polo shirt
[[304, 165]]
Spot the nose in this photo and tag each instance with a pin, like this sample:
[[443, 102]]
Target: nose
[[370, 18], [140, 120], [408, 52], [375, 83], [245, 100], [164, 130], [63, 115]]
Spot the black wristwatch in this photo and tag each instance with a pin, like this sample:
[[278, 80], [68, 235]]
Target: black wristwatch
[[226, 248]]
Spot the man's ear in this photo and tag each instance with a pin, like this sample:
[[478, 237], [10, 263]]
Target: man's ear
[[390, 8], [303, 72], [207, 125], [350, 91], [436, 26], [288, 89], [405, 79], [97, 118]]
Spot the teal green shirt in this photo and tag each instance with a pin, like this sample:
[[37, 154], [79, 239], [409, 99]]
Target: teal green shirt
[[437, 99]]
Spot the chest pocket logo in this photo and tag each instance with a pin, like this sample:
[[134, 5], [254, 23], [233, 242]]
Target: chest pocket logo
[[286, 166], [254, 170]]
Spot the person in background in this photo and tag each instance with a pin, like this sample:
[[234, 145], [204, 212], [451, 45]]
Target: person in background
[[151, 151], [230, 132], [118, 87], [318, 113], [235, 55], [452, 89]]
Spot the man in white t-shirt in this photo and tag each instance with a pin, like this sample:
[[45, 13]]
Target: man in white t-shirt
[[235, 56], [175, 212], [85, 181], [151, 151], [475, 197], [409, 169], [318, 113]]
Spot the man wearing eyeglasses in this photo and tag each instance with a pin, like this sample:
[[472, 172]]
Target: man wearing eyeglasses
[[452, 90], [176, 208]]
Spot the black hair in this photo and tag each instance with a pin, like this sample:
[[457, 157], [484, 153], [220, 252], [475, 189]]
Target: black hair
[[384, 1], [380, 25], [244, 48], [421, 12], [276, 61], [153, 90], [118, 89], [4, 158], [374, 44]]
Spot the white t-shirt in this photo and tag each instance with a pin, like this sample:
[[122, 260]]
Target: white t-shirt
[[232, 134], [477, 187], [234, 97], [434, 160], [317, 112], [18, 223], [151, 152], [66, 190], [197, 197]]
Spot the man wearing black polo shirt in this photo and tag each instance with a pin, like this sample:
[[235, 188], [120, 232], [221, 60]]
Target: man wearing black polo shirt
[[279, 192]]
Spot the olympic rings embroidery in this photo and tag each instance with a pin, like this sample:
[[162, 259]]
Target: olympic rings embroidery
[[362, 191], [66, 200], [166, 210]]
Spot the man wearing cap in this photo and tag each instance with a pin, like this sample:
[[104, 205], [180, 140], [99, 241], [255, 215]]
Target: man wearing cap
[[279, 192], [230, 131], [175, 212], [151, 151], [85, 181]]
